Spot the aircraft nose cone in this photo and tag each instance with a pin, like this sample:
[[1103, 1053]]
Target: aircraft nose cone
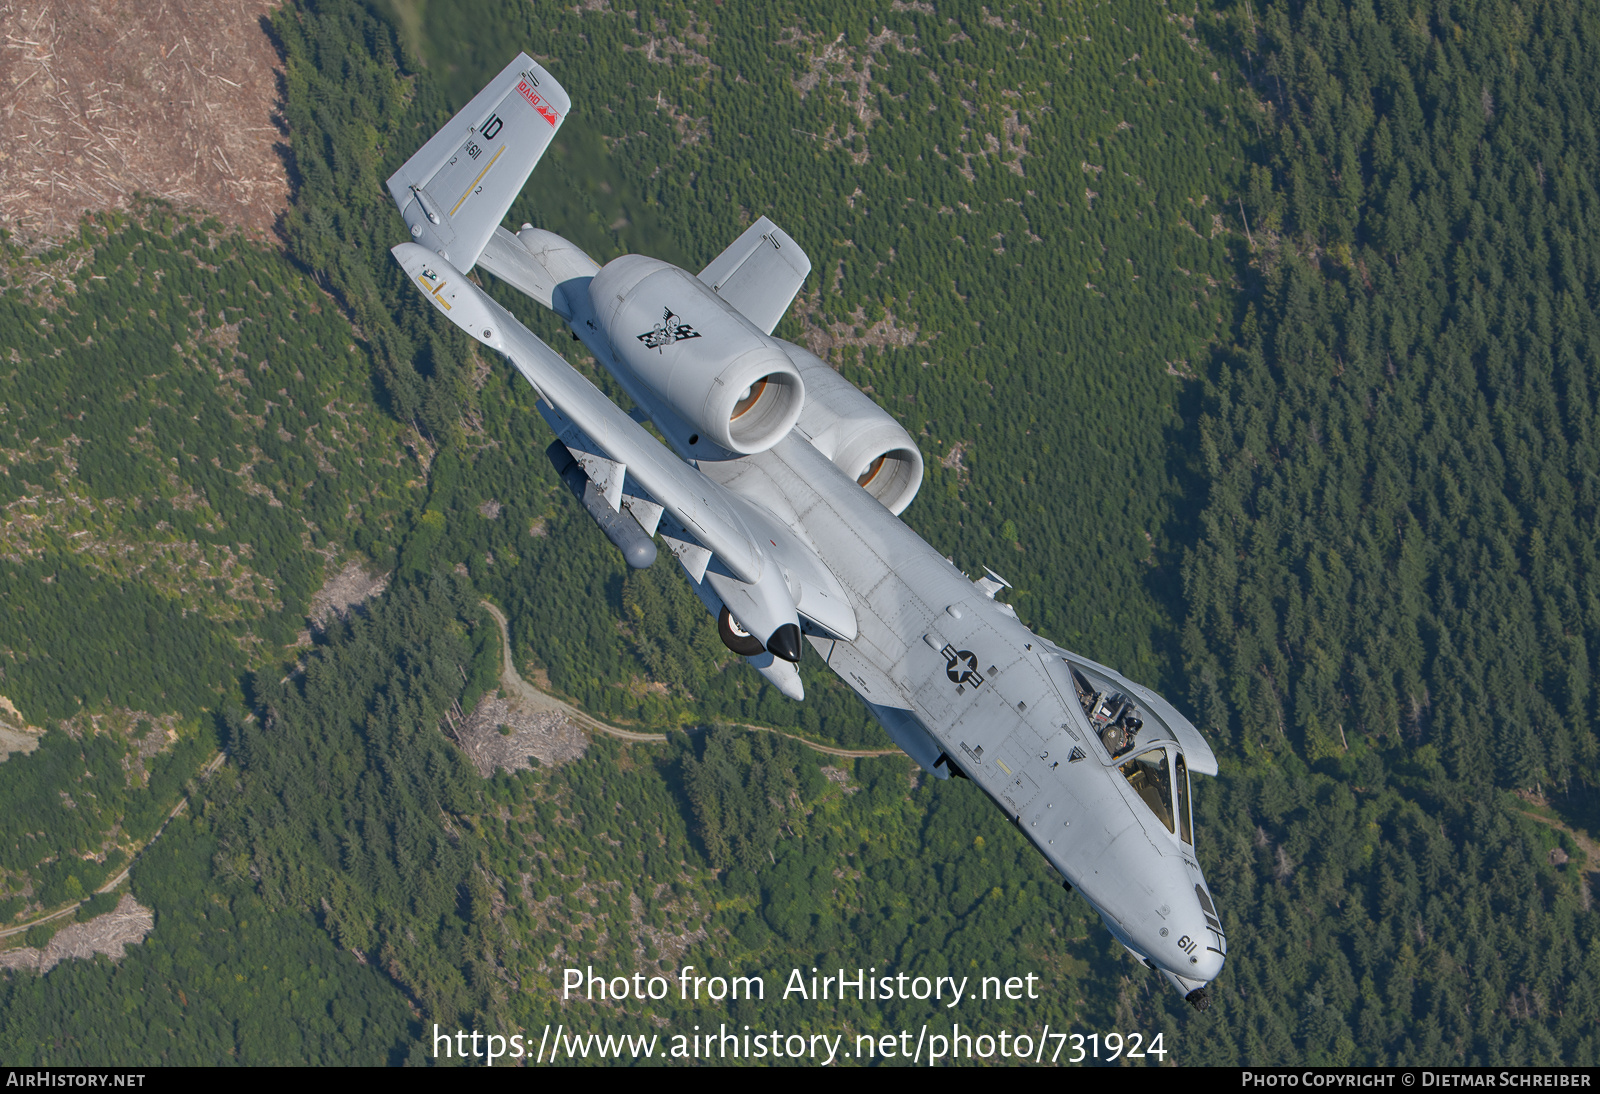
[[785, 643], [1209, 965]]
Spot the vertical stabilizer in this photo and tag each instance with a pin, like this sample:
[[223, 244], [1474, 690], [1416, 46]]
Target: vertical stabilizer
[[455, 191], [759, 273]]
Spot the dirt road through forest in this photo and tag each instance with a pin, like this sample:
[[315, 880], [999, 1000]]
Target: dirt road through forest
[[516, 686]]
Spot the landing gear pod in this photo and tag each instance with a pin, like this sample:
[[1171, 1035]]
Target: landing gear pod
[[735, 637], [638, 550], [765, 607], [785, 643]]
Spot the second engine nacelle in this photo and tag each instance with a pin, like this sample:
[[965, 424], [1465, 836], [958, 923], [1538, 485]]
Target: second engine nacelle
[[861, 438], [706, 362]]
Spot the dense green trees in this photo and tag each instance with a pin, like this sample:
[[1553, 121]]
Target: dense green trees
[[189, 440], [88, 795], [225, 978], [740, 792], [188, 435], [1399, 539], [349, 787], [1364, 429], [1392, 576]]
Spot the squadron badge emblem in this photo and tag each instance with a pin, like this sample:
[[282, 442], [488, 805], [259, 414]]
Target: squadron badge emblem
[[671, 329]]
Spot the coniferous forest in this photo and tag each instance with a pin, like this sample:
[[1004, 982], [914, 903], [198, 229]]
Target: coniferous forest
[[1254, 343]]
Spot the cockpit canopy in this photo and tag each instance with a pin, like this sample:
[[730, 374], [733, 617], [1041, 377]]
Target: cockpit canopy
[[1158, 718], [1112, 715], [1114, 718], [1158, 774], [1154, 765]]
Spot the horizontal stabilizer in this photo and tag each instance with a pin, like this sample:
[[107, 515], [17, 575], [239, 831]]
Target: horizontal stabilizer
[[759, 273], [540, 265], [455, 191]]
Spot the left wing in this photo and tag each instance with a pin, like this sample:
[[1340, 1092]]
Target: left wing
[[752, 544]]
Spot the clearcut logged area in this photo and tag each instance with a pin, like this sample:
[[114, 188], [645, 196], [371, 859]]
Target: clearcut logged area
[[101, 100]]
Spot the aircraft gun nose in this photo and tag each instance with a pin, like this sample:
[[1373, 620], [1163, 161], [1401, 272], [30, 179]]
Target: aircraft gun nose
[[1196, 954]]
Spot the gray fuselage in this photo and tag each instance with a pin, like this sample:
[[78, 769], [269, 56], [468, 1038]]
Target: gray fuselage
[[1013, 733]]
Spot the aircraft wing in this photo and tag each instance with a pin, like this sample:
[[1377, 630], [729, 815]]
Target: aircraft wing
[[455, 191], [759, 273], [631, 468]]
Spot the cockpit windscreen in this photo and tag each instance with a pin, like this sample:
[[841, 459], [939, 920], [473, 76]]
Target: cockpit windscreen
[[1150, 775]]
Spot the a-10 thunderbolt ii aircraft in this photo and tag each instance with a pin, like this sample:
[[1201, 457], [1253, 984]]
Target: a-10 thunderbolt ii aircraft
[[779, 492]]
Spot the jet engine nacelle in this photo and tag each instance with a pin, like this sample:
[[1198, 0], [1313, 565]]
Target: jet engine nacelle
[[856, 434], [706, 362]]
